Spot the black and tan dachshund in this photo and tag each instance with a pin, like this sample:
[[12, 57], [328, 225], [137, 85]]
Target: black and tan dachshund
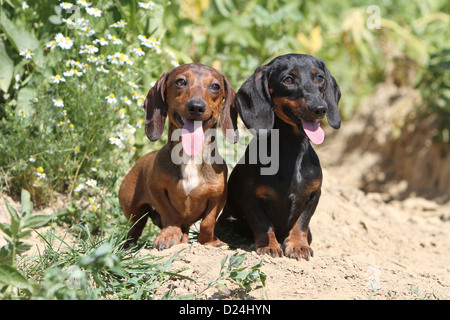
[[289, 94]]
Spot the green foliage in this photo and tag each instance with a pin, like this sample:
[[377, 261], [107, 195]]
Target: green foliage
[[94, 269], [74, 91], [21, 227], [435, 89], [247, 278]]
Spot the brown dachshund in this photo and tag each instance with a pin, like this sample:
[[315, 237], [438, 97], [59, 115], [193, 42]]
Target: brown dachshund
[[175, 186], [285, 98]]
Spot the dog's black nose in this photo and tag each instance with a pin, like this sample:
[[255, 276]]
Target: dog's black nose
[[319, 111], [196, 107]]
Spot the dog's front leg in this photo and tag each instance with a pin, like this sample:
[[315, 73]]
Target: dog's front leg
[[171, 232], [263, 231], [297, 244], [208, 223]]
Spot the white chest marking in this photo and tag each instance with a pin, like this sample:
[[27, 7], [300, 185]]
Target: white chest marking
[[190, 176]]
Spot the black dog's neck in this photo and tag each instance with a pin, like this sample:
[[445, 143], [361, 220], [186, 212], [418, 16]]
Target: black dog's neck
[[292, 139]]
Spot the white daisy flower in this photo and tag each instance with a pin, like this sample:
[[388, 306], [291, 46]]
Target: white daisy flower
[[139, 51], [126, 100], [150, 43], [118, 24], [51, 45], [57, 78], [27, 54], [91, 182], [102, 41], [79, 188], [116, 141], [131, 129], [134, 85], [59, 38], [146, 5], [58, 102], [102, 69], [94, 12], [63, 42], [66, 5], [92, 59], [87, 31], [114, 39], [25, 5], [111, 98], [70, 23], [91, 49], [84, 3]]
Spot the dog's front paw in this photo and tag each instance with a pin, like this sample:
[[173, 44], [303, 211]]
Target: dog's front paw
[[215, 243], [273, 250], [168, 237], [295, 250]]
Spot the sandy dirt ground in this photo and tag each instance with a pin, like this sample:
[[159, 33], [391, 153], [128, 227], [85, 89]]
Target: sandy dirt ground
[[363, 249]]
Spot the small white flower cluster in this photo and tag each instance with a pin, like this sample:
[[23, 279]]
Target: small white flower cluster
[[41, 175], [146, 5]]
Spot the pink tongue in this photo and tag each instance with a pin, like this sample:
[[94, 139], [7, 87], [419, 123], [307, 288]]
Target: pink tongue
[[192, 137], [313, 131]]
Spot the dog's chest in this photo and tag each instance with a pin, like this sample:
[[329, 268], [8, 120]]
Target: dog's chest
[[191, 176]]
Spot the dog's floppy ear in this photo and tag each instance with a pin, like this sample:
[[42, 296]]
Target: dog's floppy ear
[[156, 109], [228, 114], [332, 97], [254, 103]]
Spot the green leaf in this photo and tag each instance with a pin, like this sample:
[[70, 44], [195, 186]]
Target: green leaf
[[22, 247], [40, 220], [222, 264], [15, 220], [11, 276], [27, 204], [237, 259], [6, 229], [24, 234], [6, 253], [20, 38], [239, 276], [37, 221], [25, 104], [6, 67], [56, 20]]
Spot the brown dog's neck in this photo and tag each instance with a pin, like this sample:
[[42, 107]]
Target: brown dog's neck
[[170, 142]]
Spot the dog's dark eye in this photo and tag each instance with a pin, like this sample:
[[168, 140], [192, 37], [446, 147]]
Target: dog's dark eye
[[215, 87], [288, 80], [181, 82], [320, 78]]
